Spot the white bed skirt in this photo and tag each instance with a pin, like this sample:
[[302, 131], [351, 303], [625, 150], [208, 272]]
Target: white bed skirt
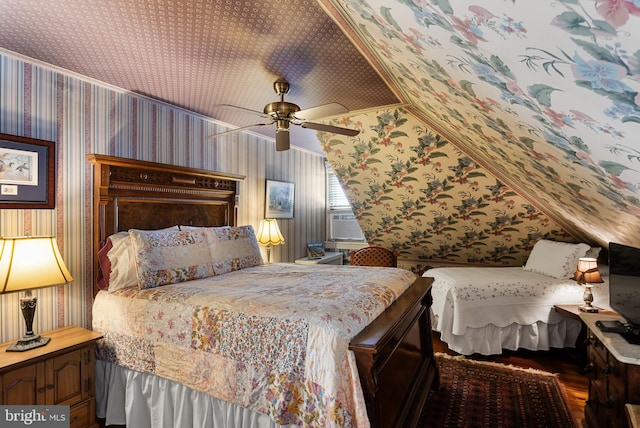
[[491, 340], [143, 400]]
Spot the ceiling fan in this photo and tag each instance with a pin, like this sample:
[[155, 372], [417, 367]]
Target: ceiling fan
[[283, 114]]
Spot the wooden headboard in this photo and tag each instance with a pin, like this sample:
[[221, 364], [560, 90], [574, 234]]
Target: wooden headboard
[[132, 194]]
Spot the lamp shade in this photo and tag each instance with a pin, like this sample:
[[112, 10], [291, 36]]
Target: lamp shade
[[31, 262], [269, 233], [587, 271]]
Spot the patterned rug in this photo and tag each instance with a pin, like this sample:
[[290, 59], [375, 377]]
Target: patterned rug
[[483, 394]]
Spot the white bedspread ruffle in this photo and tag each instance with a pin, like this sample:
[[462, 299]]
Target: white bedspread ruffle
[[485, 310], [141, 400]]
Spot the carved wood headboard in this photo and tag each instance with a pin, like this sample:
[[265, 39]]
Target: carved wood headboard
[[132, 194]]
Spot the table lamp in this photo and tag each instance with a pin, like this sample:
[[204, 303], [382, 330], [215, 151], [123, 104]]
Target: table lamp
[[27, 263], [269, 235], [586, 274]]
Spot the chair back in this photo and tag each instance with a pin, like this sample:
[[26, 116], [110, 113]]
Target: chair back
[[373, 256]]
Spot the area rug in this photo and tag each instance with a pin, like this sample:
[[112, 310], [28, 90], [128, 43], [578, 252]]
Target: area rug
[[485, 394]]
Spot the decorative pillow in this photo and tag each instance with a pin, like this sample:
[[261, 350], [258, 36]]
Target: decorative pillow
[[233, 248], [555, 259], [117, 268], [170, 256]]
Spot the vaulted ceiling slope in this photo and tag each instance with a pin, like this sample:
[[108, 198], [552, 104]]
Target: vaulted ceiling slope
[[544, 94]]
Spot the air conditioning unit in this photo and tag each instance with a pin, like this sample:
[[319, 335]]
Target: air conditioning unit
[[344, 227]]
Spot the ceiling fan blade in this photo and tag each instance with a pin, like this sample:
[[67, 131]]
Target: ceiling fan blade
[[329, 128], [242, 109], [212, 136], [282, 139], [325, 110]]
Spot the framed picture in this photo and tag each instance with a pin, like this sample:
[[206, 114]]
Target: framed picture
[[27, 173], [315, 250], [279, 199]]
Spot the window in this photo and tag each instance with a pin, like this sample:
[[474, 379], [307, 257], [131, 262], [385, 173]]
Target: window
[[336, 199], [343, 225]]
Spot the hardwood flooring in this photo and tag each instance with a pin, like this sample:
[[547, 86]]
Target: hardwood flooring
[[565, 362]]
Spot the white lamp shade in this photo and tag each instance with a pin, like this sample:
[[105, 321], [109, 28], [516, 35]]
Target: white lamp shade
[[269, 233], [31, 262]]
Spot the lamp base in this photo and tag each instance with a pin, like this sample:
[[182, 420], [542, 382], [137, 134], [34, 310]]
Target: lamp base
[[588, 309], [27, 343]]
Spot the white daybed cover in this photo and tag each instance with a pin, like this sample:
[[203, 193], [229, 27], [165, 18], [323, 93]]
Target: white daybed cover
[[484, 310]]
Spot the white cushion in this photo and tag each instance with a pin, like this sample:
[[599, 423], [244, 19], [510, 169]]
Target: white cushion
[[555, 259], [117, 267]]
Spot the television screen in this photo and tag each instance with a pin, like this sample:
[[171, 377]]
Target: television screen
[[624, 282]]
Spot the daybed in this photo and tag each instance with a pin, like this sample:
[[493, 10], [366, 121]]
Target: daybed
[[198, 331], [484, 310]]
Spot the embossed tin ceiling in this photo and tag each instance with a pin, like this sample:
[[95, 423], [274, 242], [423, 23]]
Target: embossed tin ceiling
[[199, 54]]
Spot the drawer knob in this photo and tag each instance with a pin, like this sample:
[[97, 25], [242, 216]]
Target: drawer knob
[[607, 369]]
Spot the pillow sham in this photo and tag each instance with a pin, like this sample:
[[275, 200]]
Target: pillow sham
[[170, 256], [555, 259], [233, 248], [116, 263]]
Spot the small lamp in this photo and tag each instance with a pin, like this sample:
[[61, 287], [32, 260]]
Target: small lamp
[[27, 263], [269, 235], [586, 274]]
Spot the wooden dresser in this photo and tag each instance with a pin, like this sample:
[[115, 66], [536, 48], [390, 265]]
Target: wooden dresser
[[614, 375], [59, 373]]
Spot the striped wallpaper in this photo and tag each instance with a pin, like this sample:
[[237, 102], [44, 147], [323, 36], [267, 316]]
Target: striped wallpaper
[[83, 116]]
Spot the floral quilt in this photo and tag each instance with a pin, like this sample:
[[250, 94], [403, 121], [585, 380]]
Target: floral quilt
[[272, 338]]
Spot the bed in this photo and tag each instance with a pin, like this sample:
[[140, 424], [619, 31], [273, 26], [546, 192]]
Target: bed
[[226, 340], [485, 310]]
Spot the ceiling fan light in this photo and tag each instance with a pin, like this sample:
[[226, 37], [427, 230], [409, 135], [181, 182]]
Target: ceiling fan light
[[282, 139]]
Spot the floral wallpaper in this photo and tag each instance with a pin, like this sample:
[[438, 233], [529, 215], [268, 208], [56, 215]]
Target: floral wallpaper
[[544, 94], [414, 192]]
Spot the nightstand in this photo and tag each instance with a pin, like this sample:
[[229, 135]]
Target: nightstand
[[60, 373], [329, 258], [614, 375], [573, 312]]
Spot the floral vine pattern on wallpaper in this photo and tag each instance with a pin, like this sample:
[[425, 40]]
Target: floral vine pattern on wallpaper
[[548, 90], [414, 192]]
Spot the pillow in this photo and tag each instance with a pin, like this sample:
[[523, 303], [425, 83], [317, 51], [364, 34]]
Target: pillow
[[116, 263], [233, 248], [555, 259], [593, 252], [170, 256]]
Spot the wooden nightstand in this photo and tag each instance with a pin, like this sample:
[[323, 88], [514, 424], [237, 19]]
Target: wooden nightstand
[[60, 373], [573, 311], [614, 375]]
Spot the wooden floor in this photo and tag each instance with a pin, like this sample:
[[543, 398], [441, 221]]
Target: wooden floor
[[565, 362]]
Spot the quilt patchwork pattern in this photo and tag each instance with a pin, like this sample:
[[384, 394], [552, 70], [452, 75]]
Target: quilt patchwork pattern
[[272, 338]]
